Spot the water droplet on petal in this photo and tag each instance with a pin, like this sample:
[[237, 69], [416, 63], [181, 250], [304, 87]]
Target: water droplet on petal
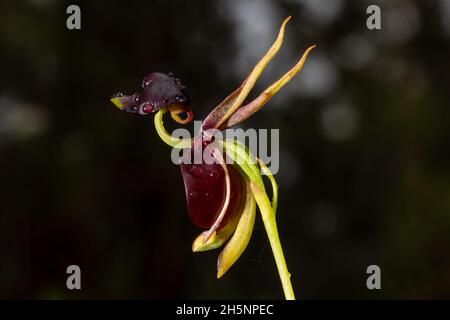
[[146, 82], [147, 108], [208, 195], [214, 175], [193, 194], [195, 171]]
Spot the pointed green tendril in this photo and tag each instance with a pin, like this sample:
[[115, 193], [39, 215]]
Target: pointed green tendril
[[265, 170]]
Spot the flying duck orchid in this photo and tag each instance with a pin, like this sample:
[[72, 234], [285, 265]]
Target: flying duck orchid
[[222, 195]]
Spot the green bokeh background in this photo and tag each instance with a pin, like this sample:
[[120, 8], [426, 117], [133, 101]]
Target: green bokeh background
[[364, 148]]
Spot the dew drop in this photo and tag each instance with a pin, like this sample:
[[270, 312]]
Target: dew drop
[[147, 108], [193, 194], [214, 175], [146, 82], [208, 195], [179, 98], [195, 171]]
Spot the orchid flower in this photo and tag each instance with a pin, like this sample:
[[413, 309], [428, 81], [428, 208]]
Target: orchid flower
[[221, 197]]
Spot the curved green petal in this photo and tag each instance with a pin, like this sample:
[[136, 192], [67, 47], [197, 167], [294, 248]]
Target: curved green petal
[[238, 242]]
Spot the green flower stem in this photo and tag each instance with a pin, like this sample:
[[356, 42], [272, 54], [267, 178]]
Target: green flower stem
[[165, 136], [268, 216], [243, 159]]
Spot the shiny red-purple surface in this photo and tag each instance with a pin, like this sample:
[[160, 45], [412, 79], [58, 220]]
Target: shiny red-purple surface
[[206, 191]]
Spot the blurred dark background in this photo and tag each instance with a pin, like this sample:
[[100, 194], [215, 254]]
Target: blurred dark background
[[364, 142]]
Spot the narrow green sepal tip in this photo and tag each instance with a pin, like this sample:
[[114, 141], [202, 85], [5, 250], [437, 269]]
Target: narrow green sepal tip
[[212, 243], [117, 102]]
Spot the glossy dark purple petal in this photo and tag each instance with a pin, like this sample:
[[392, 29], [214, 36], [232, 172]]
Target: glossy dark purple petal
[[161, 90], [205, 189]]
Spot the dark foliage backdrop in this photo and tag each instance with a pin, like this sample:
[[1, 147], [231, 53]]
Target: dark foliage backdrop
[[364, 147]]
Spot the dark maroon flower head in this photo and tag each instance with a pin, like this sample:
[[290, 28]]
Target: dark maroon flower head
[[159, 90]]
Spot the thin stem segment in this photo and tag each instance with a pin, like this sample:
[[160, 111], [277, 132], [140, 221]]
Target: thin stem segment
[[165, 136], [270, 224], [268, 210], [268, 173]]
